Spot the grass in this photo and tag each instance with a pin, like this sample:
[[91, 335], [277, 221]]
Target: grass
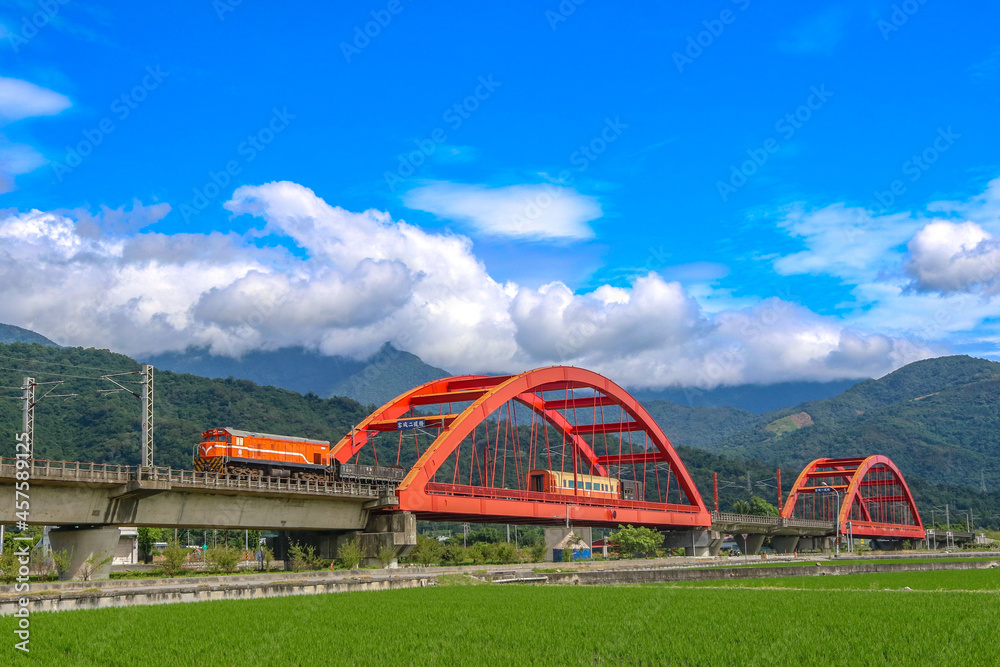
[[936, 580], [840, 620]]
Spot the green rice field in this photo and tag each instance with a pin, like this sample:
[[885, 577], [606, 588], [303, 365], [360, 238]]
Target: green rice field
[[948, 617]]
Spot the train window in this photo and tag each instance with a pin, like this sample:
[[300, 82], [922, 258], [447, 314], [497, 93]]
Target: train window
[[579, 485], [587, 486]]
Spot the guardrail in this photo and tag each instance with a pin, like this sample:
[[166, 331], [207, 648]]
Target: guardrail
[[754, 519], [280, 484], [93, 472], [123, 474]]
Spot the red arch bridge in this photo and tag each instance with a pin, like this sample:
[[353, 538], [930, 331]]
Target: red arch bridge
[[557, 446], [565, 446]]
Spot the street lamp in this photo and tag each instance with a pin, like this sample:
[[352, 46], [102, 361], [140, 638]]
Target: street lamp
[[836, 520]]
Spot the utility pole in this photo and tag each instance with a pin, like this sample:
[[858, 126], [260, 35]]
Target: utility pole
[[947, 516], [28, 417], [147, 416], [982, 481]]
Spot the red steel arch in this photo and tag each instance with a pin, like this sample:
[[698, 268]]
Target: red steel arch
[[874, 498], [485, 395]]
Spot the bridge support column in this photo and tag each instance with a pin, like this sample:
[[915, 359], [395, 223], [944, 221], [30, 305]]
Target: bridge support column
[[90, 550], [695, 542], [394, 530], [752, 544], [555, 536], [785, 544], [715, 540]]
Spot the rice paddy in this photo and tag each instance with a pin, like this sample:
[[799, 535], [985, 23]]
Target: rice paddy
[[946, 616]]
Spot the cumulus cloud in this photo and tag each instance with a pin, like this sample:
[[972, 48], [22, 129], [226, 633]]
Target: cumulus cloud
[[954, 257], [542, 211], [357, 280]]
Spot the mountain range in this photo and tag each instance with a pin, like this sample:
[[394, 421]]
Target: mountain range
[[938, 419]]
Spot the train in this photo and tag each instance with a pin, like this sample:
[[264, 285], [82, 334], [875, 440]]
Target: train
[[245, 454], [588, 486]]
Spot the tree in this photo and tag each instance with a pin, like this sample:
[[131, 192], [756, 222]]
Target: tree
[[742, 507], [638, 542], [147, 538], [760, 507], [174, 558], [427, 551], [349, 555]]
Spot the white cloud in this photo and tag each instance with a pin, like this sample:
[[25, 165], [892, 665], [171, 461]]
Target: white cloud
[[847, 242], [16, 159], [953, 257], [360, 279], [542, 211], [23, 99]]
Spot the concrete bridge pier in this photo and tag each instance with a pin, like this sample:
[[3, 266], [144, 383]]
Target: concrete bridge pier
[[715, 540], [90, 550], [695, 542], [785, 544], [393, 530], [751, 544]]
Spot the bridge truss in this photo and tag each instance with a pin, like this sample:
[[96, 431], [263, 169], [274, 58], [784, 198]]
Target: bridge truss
[[470, 443], [866, 497]]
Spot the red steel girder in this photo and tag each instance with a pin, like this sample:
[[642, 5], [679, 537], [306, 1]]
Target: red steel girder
[[444, 397], [611, 427], [625, 459], [579, 403], [430, 421]]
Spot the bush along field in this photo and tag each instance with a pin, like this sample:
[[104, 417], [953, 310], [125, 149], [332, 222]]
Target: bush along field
[[945, 617]]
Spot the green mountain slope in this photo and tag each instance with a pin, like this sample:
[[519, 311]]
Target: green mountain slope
[[92, 426], [699, 426], [938, 419], [376, 380], [12, 334]]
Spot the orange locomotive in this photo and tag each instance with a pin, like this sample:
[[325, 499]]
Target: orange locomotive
[[229, 451]]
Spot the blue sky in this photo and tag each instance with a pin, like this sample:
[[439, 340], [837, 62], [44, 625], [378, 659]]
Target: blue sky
[[719, 193]]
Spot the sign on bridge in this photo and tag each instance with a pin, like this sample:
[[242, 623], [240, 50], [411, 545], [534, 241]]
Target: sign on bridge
[[409, 424]]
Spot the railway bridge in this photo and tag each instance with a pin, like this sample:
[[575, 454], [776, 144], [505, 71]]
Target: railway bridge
[[560, 446]]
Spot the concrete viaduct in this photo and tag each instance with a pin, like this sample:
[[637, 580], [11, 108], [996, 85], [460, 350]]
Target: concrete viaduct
[[88, 501]]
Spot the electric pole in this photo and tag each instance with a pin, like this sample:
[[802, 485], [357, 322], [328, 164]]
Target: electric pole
[[28, 418], [147, 416]]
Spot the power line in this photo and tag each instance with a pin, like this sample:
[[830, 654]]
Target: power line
[[59, 363], [65, 375]]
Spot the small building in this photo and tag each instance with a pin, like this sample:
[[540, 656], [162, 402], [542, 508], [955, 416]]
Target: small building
[[577, 545]]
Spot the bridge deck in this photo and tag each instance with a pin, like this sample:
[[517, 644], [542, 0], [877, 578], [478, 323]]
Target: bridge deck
[[110, 474]]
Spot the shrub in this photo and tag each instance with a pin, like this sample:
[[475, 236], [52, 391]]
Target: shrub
[[303, 557], [174, 558], [349, 555], [223, 557], [386, 554]]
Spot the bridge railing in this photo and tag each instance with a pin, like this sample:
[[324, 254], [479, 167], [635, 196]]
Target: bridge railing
[[196, 478], [122, 474], [94, 472], [730, 517]]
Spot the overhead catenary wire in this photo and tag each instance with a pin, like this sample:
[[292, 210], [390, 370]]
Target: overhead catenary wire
[[59, 363]]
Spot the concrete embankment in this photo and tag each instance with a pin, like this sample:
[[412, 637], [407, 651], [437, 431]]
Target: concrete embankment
[[69, 595], [128, 593]]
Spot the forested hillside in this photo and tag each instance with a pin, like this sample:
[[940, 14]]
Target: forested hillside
[[105, 427], [938, 419]]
